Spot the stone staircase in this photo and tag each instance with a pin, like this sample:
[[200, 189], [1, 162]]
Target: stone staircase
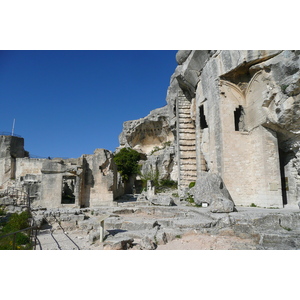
[[186, 136]]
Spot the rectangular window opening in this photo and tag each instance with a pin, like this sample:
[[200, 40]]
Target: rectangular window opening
[[203, 123], [239, 123]]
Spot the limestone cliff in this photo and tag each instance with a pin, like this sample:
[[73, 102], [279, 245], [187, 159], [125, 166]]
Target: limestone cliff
[[147, 133], [232, 113], [239, 107]]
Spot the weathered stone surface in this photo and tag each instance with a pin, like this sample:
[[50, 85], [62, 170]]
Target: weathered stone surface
[[118, 243], [222, 205], [163, 200], [266, 85], [207, 187], [146, 133], [148, 244], [182, 55], [161, 162]]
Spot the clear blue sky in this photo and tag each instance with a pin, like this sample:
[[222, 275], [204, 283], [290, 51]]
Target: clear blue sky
[[68, 103]]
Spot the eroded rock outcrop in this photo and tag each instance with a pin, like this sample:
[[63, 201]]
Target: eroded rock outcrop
[[147, 133], [152, 136]]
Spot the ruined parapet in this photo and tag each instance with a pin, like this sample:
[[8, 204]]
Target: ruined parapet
[[11, 148], [102, 183]]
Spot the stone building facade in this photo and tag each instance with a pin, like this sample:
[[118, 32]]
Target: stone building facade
[[88, 181]]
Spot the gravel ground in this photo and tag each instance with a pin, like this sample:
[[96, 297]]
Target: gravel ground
[[190, 241], [208, 242]]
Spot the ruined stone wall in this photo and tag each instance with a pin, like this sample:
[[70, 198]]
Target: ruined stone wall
[[88, 181], [11, 148], [102, 181], [28, 166]]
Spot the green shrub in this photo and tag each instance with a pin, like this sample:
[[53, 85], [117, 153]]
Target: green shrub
[[168, 183], [127, 162], [17, 222], [150, 175], [192, 184], [22, 239], [253, 205], [190, 199]]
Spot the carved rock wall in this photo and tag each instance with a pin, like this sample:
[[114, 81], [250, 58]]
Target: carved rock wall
[[246, 114]]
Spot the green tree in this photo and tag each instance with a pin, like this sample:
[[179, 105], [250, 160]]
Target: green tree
[[127, 162]]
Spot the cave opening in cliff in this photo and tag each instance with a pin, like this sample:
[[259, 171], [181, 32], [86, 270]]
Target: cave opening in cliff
[[203, 123]]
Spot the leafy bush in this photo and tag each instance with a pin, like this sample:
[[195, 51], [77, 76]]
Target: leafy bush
[[22, 239], [192, 184], [168, 183], [150, 175], [17, 222], [127, 162]]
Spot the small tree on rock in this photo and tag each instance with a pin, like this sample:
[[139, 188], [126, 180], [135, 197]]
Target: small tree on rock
[[127, 162]]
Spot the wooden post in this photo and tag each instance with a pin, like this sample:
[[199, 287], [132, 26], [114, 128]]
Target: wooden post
[[101, 231]]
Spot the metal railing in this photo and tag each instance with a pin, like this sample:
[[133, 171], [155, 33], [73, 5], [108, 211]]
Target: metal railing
[[22, 198], [9, 134], [31, 232]]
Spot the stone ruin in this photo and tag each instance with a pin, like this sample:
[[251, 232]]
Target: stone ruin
[[234, 114], [229, 135], [88, 181]]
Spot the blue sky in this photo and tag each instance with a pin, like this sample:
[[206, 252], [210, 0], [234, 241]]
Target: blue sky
[[68, 103]]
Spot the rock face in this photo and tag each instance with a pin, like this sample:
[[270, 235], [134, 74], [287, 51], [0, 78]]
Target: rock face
[[147, 133], [210, 188], [236, 114], [152, 136]]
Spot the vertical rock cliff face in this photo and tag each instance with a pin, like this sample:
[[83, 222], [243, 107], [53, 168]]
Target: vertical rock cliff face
[[234, 114], [244, 112], [152, 136]]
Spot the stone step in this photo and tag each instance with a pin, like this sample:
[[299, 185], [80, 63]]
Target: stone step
[[188, 162], [184, 106], [188, 156], [188, 171], [185, 121], [188, 151], [188, 174], [186, 126], [185, 111], [187, 137], [187, 144], [189, 132]]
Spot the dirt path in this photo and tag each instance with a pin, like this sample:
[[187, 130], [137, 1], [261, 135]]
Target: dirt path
[[208, 242]]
